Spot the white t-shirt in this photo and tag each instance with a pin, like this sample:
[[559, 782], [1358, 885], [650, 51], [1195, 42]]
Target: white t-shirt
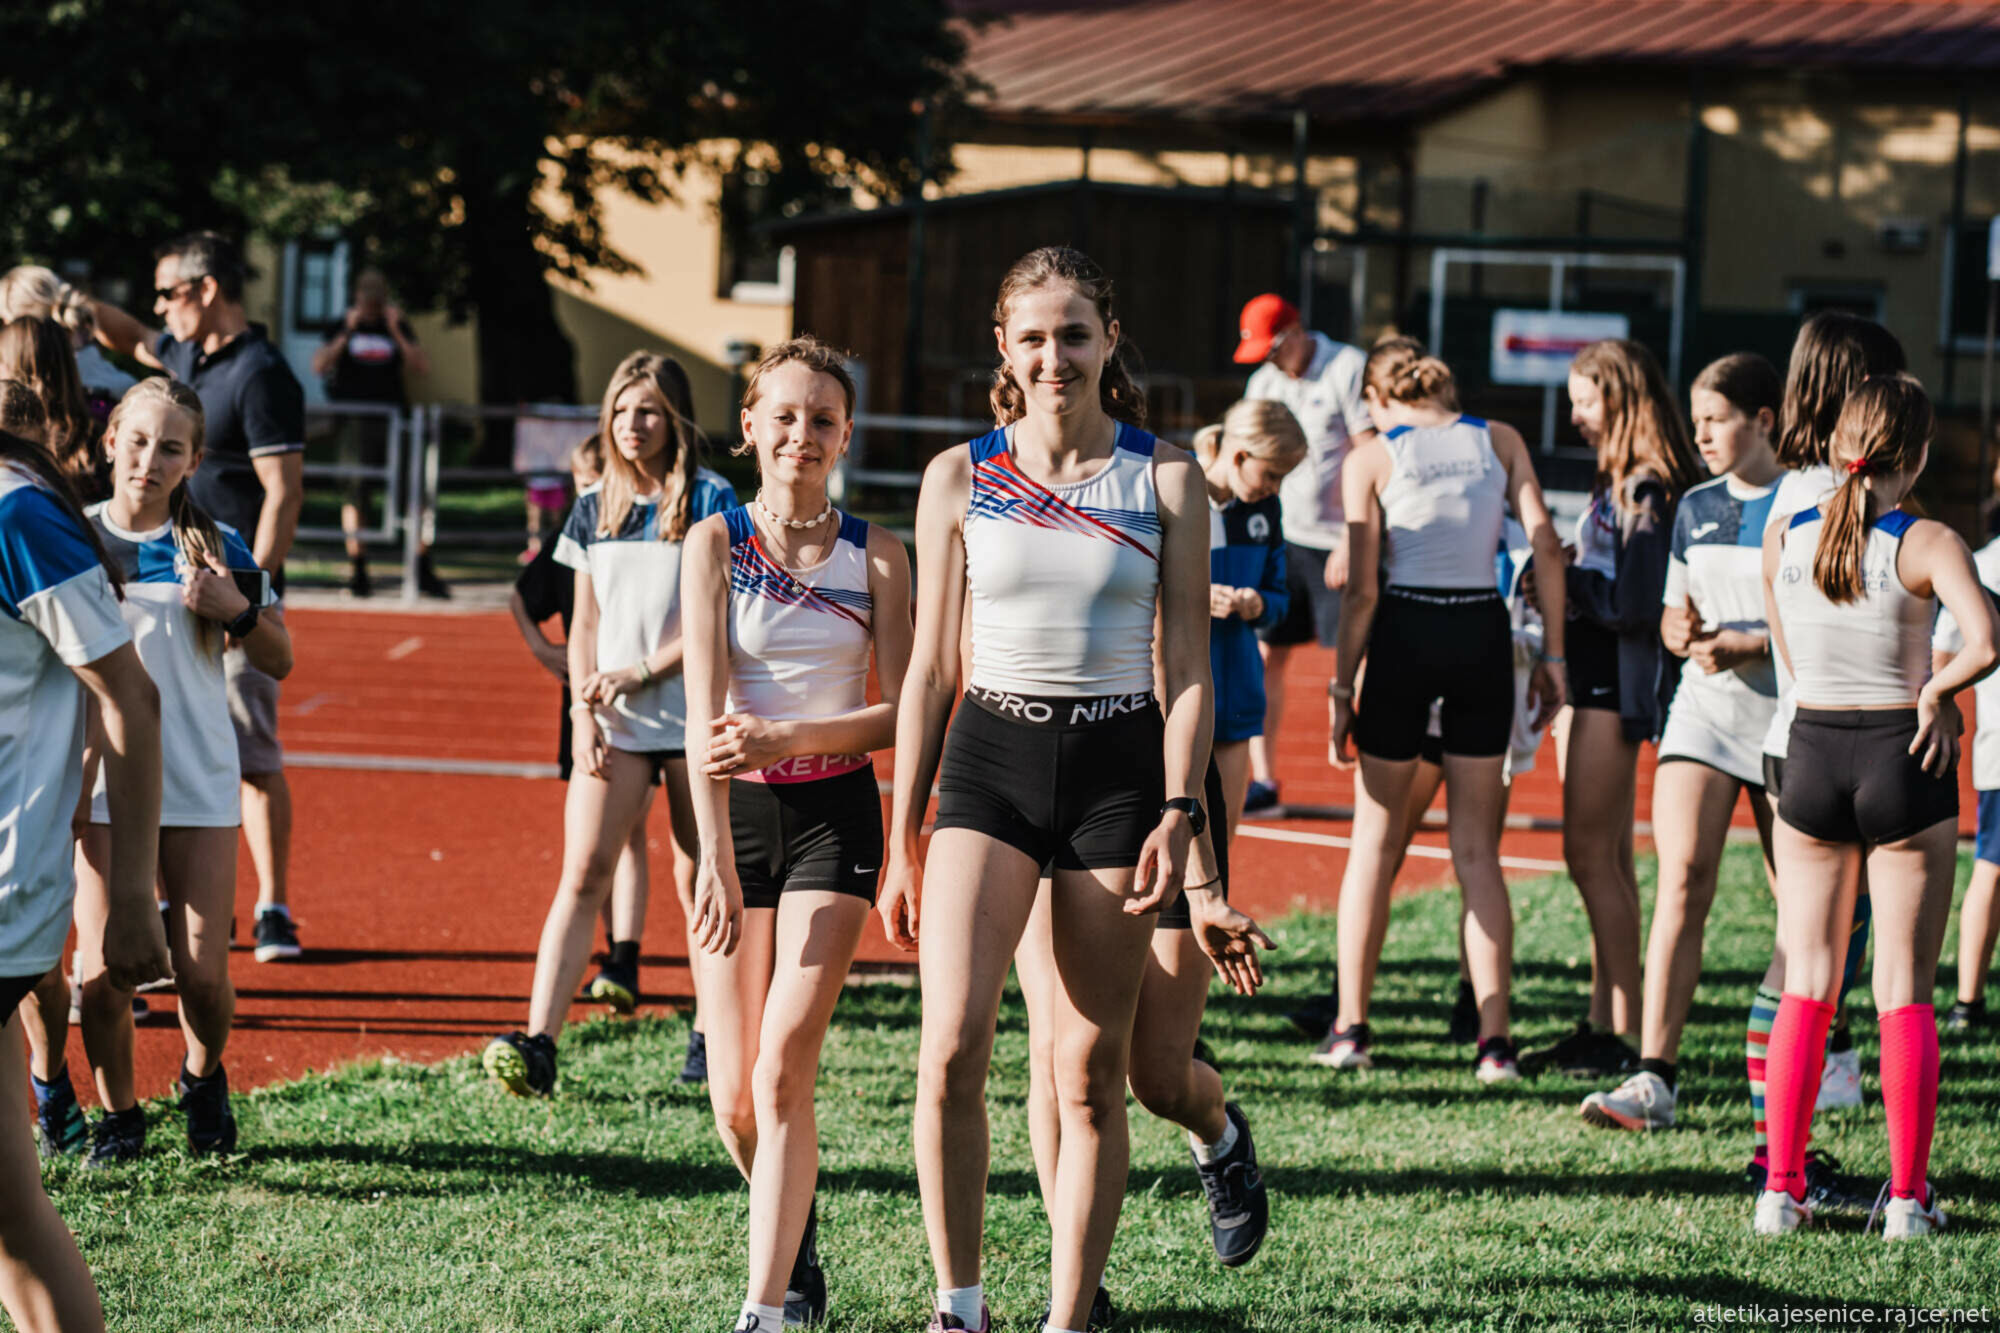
[[1327, 401], [1986, 694], [57, 611], [1797, 491], [200, 774], [636, 579]]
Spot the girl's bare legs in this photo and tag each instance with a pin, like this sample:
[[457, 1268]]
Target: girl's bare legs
[[1262, 748], [1599, 783], [816, 936], [1692, 804], [1978, 925], [1381, 805], [45, 1021], [598, 816], [199, 868], [1035, 969], [624, 910], [1166, 1078], [1475, 797], [107, 1011], [736, 987], [1909, 883], [44, 1285], [684, 842]]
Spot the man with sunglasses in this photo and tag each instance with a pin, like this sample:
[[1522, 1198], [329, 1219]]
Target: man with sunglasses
[[251, 477]]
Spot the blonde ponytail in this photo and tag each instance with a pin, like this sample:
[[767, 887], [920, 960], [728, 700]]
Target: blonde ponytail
[[1884, 428]]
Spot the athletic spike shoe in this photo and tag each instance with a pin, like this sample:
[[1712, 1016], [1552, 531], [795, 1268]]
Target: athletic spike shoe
[[1907, 1219], [617, 987], [1778, 1213], [1840, 1086], [61, 1128], [1344, 1048], [1464, 1015], [1260, 798], [1496, 1062], [695, 1068], [1827, 1186], [1586, 1053], [524, 1065], [277, 938], [951, 1323], [1102, 1312], [118, 1136], [1239, 1210], [805, 1290], [1643, 1101], [211, 1125], [1965, 1015]]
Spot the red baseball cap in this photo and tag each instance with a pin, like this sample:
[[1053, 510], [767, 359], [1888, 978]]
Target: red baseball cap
[[1263, 320]]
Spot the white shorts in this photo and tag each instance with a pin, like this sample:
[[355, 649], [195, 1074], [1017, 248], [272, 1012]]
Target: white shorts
[[1690, 735]]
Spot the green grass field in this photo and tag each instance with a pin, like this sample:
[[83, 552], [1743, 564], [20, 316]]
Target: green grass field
[[402, 1197]]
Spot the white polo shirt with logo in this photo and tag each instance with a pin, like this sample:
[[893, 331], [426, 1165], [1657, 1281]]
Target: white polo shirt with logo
[[1327, 401]]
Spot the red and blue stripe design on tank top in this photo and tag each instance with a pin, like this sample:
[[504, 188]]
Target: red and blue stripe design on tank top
[[752, 571], [1001, 491]]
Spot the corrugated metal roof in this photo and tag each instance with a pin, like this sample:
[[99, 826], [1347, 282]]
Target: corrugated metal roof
[[1379, 60]]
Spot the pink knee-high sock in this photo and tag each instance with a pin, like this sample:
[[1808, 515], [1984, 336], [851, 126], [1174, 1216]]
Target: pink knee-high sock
[[1792, 1070], [1909, 1094]]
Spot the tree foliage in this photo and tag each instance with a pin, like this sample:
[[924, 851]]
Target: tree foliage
[[469, 150]]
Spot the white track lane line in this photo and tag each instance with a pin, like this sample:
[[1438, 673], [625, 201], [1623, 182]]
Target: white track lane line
[[1249, 830], [405, 648], [396, 763]]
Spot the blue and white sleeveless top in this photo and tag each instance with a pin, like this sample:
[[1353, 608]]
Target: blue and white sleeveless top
[[1064, 580], [57, 611], [1443, 506], [1873, 651], [200, 782], [799, 638], [636, 579]]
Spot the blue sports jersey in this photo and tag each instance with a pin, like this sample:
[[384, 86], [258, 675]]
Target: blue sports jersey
[[1246, 549]]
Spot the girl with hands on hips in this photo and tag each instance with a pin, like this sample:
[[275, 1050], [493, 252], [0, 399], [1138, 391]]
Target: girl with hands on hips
[[787, 600]]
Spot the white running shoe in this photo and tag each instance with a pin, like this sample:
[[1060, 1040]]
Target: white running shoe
[[1643, 1101], [1840, 1085], [1906, 1219], [1778, 1212]]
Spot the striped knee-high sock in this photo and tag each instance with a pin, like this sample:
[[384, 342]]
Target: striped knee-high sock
[[1763, 1013]]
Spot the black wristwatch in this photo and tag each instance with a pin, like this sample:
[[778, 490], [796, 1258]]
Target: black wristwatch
[[1189, 806], [240, 627]]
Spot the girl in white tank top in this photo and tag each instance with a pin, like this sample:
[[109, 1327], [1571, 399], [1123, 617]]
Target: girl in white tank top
[[1870, 775], [785, 599]]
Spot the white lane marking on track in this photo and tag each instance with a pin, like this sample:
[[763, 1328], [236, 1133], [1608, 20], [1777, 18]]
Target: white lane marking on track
[[405, 648], [313, 704], [484, 768], [1247, 830]]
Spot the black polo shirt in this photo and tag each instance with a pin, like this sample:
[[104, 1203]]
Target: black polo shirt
[[254, 408]]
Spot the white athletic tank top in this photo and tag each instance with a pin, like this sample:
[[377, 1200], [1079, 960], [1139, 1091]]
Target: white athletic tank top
[[799, 638], [1873, 651], [1063, 579], [1443, 506]]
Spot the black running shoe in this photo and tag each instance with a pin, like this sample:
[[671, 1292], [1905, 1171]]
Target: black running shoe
[[1260, 797], [524, 1065], [805, 1289], [1464, 1015], [211, 1125], [1316, 1015], [1965, 1015], [1102, 1312], [695, 1068], [1239, 1211], [1827, 1186], [277, 937], [118, 1136], [61, 1129], [617, 987], [1585, 1053], [428, 582], [358, 582]]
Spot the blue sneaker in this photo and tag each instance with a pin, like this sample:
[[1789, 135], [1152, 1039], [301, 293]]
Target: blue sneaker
[[62, 1130], [1261, 798]]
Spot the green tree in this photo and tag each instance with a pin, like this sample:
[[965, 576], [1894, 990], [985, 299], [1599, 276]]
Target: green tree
[[469, 149]]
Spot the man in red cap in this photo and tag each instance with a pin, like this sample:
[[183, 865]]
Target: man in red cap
[[1320, 381]]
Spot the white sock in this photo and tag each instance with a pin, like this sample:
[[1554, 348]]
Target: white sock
[[1051, 1328], [964, 1303], [1206, 1153], [770, 1318]]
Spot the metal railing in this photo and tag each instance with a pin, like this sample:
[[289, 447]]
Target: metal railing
[[344, 422]]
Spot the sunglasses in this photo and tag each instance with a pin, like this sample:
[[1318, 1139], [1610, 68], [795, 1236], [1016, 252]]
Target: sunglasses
[[175, 292]]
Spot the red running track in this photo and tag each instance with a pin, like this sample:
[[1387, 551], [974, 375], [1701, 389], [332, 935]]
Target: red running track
[[420, 894]]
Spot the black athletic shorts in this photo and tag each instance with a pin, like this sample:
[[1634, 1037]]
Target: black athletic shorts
[[1072, 783], [658, 759], [1850, 777], [1175, 915], [13, 990], [1592, 651], [1449, 646], [1312, 610], [823, 835]]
